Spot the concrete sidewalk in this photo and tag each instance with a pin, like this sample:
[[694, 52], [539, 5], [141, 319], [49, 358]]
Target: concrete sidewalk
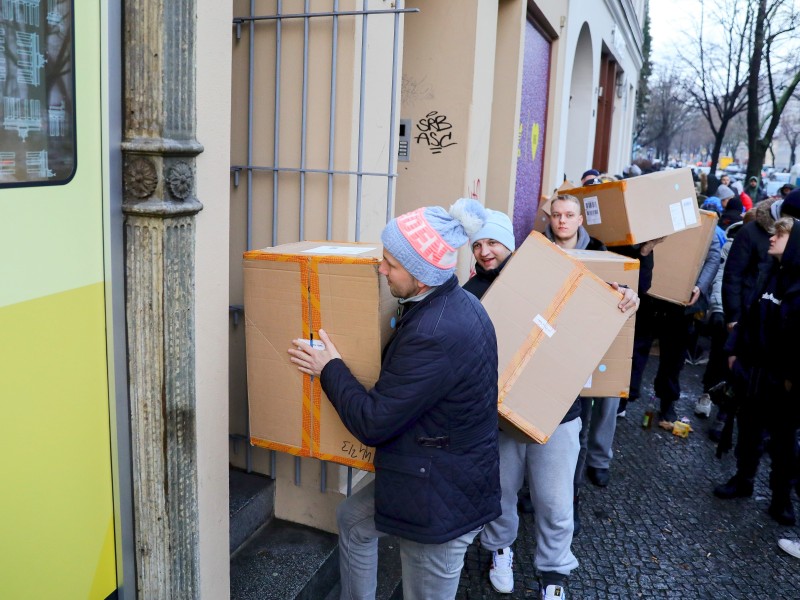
[[657, 531]]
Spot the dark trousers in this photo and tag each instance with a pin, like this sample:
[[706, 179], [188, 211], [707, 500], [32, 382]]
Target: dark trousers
[[774, 413], [717, 367], [667, 322]]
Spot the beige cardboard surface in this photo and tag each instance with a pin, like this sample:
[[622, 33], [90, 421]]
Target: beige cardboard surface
[[612, 375], [679, 259], [294, 290], [542, 305], [639, 209]]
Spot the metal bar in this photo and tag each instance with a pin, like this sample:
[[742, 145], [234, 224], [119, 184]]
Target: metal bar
[[297, 470], [332, 122], [295, 170], [276, 142], [273, 464], [349, 481], [250, 94], [323, 476], [303, 127], [392, 125], [362, 92], [333, 13]]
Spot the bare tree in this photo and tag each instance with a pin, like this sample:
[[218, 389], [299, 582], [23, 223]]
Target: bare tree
[[667, 112], [719, 67], [772, 77], [790, 128]]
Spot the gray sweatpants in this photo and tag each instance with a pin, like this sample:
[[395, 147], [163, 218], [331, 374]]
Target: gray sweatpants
[[550, 468], [429, 570], [599, 418]]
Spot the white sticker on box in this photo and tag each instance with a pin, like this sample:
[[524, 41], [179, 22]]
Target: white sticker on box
[[316, 344], [591, 210], [688, 205], [339, 250], [588, 382], [676, 212], [546, 327]]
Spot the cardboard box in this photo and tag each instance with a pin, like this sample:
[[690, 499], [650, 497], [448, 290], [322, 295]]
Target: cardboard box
[[542, 305], [290, 292], [679, 259], [639, 209], [612, 376]]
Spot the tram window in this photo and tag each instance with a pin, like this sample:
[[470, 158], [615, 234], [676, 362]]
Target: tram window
[[37, 84]]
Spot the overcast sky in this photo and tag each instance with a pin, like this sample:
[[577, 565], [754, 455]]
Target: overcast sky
[[669, 19]]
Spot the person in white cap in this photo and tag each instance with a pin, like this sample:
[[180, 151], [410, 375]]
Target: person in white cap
[[431, 416]]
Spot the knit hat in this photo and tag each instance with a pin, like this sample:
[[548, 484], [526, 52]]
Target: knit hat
[[498, 227], [593, 172], [791, 204], [425, 240], [723, 192]]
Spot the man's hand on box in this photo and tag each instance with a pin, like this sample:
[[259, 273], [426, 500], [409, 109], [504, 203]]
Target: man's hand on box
[[695, 296], [630, 299], [310, 360]]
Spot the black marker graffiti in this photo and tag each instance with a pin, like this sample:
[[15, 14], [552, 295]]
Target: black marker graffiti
[[434, 130]]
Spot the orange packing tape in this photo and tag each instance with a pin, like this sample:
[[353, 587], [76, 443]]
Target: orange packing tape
[[631, 266], [316, 323], [294, 450], [592, 189]]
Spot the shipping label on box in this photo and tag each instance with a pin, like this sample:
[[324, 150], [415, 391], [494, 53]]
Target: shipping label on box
[[554, 321], [679, 259], [291, 291], [639, 209], [612, 376]]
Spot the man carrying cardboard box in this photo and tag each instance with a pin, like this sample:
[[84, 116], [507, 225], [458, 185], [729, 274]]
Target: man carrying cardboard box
[[549, 467], [432, 415]]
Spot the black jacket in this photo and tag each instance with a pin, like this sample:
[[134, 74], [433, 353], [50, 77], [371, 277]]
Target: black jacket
[[432, 417], [748, 251], [765, 339]]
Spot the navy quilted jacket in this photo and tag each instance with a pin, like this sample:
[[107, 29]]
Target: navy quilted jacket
[[432, 417]]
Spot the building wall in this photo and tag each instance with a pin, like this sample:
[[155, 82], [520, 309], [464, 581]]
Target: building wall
[[211, 312], [460, 85]]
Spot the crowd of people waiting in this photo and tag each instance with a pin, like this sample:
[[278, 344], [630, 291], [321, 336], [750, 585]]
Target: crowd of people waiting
[[445, 475]]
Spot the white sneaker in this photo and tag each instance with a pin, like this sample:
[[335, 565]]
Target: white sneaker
[[554, 592], [501, 575], [790, 547], [703, 406]]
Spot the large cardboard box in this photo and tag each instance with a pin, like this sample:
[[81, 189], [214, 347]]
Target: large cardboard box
[[639, 209], [290, 292], [554, 320], [612, 376], [679, 259]]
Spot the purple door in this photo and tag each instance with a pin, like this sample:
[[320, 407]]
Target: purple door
[[531, 132]]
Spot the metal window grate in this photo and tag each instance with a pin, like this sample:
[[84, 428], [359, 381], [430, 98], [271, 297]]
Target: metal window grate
[[301, 170]]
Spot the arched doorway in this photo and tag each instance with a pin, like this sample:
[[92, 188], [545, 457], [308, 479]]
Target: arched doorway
[[581, 103]]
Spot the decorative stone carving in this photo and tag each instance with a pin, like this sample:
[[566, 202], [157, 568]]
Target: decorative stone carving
[[180, 180], [141, 177]]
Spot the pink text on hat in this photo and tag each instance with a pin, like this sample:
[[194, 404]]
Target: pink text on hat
[[425, 240]]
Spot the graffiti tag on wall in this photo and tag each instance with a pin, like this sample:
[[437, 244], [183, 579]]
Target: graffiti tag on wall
[[435, 131]]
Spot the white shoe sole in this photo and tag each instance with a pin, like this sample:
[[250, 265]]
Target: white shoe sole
[[790, 547]]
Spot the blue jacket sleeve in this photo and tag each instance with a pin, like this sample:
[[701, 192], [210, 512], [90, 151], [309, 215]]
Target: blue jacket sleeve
[[415, 378]]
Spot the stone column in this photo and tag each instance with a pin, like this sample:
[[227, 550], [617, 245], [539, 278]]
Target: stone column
[[159, 150]]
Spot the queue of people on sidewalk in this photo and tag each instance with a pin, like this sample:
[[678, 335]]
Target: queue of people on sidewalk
[[444, 473]]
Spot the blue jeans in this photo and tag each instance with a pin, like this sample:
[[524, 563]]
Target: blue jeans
[[429, 570]]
